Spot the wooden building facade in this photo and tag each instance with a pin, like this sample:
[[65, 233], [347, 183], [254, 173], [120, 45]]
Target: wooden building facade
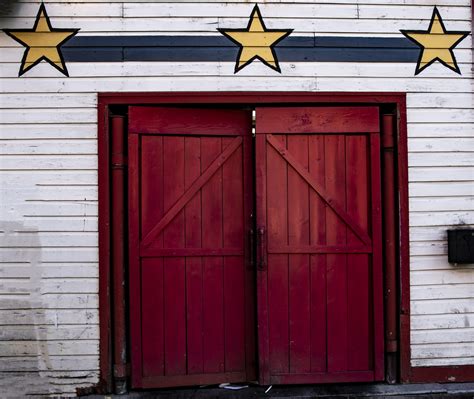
[[199, 192]]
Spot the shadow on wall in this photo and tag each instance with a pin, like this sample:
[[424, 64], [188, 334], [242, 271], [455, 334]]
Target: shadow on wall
[[24, 356]]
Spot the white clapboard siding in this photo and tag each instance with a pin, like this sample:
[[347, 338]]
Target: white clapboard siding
[[430, 233], [442, 350], [49, 270], [445, 306], [52, 348], [51, 286], [185, 24], [45, 334], [440, 130], [52, 363], [433, 262], [448, 219], [452, 3], [48, 167], [51, 162], [440, 189], [441, 158], [427, 322], [453, 335], [48, 131], [54, 317], [457, 275], [441, 204], [214, 69], [450, 361], [452, 291]]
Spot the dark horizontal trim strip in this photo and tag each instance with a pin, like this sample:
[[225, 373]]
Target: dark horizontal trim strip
[[217, 48]]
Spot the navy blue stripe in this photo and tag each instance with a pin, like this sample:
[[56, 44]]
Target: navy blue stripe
[[219, 48]]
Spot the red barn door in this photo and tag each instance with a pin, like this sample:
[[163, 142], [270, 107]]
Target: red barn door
[[319, 218], [191, 290]]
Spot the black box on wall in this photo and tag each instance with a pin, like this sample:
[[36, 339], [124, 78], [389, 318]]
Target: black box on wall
[[461, 246]]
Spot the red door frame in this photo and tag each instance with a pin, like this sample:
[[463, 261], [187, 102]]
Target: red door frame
[[109, 102]]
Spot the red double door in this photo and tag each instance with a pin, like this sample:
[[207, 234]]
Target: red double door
[[255, 258]]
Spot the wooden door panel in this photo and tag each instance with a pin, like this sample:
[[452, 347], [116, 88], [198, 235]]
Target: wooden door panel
[[322, 283], [190, 284]]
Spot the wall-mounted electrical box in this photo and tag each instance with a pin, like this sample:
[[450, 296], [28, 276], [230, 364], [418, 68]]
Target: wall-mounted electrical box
[[461, 246]]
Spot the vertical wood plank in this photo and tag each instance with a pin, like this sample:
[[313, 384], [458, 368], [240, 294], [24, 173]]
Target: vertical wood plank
[[377, 274], [174, 268], [249, 271], [358, 271], [194, 322], [277, 211], [317, 213], [299, 271], [336, 264], [213, 295], [263, 310], [233, 237], [152, 196], [152, 317], [134, 256]]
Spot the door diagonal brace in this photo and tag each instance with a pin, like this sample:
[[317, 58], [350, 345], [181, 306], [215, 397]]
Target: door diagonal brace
[[191, 191], [335, 206]]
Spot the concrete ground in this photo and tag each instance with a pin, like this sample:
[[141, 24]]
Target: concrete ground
[[339, 391]]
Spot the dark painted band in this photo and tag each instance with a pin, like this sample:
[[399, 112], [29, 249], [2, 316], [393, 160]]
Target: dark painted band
[[217, 48]]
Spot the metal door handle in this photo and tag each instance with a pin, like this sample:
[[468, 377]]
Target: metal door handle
[[252, 248], [262, 254]]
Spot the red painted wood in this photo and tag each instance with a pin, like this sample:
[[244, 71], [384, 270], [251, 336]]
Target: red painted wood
[[323, 378], [321, 218], [397, 100], [193, 241], [234, 273], [212, 218], [358, 266], [178, 204], [263, 282], [218, 122], [377, 259], [153, 252], [194, 379], [317, 214], [278, 269], [134, 260], [326, 196], [188, 268], [298, 264], [174, 287], [249, 271], [442, 374], [152, 299], [318, 120], [337, 338]]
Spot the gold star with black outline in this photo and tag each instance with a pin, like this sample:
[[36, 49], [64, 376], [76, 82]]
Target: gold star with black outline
[[43, 42], [436, 44], [256, 42]]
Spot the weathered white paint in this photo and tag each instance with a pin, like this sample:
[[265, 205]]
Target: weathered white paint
[[48, 167]]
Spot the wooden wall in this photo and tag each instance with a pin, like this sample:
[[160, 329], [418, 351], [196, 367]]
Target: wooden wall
[[48, 166]]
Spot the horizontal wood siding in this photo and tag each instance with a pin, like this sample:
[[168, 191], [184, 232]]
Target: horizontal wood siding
[[48, 165]]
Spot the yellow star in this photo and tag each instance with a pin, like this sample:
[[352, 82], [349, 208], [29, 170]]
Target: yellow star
[[256, 42], [43, 42], [436, 44]]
